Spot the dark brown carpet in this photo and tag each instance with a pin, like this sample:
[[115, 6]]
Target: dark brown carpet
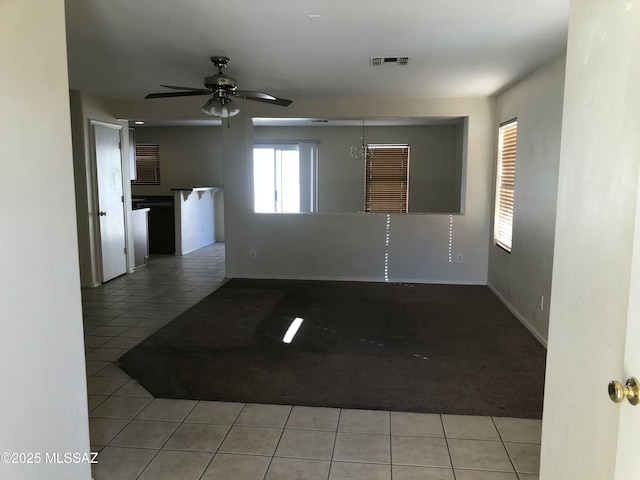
[[402, 347]]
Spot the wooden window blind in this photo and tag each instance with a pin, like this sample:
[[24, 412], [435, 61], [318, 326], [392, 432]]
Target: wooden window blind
[[387, 178], [503, 225], [147, 165]]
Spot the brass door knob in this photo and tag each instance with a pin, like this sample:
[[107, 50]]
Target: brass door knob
[[618, 392]]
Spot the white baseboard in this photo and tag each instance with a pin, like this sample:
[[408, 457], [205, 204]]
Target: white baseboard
[[355, 279], [193, 249], [523, 320], [306, 277]]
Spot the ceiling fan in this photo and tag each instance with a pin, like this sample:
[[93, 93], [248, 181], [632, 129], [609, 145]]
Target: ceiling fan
[[221, 88]]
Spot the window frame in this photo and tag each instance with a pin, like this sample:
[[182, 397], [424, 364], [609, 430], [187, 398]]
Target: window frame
[[147, 162], [386, 185], [505, 185], [307, 158]]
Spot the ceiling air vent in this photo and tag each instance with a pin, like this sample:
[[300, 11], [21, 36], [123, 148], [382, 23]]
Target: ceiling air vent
[[380, 61]]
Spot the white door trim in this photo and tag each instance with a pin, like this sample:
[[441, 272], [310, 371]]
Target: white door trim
[[93, 202]]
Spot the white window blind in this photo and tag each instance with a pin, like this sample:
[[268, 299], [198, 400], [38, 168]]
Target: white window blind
[[147, 165], [503, 225], [387, 178]]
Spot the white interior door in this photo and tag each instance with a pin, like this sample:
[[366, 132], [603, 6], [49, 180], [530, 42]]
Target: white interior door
[[594, 328], [628, 459], [110, 201]]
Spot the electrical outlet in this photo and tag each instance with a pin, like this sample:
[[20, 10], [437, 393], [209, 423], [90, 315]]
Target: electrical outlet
[[252, 254], [460, 258], [541, 302]]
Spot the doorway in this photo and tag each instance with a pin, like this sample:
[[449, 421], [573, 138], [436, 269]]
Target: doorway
[[110, 200]]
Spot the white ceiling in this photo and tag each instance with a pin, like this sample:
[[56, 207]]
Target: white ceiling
[[457, 48]]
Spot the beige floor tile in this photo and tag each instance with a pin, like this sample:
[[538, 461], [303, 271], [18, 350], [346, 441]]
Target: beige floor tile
[[132, 389], [479, 455], [155, 322], [137, 332], [94, 320], [416, 424], [420, 451], [359, 471], [106, 354], [108, 331], [525, 457], [121, 463], [484, 475], [311, 444], [365, 421], [314, 418], [170, 465], [95, 448], [261, 415], [103, 430], [120, 407], [298, 469], [146, 306], [523, 430], [358, 447], [95, 341], [125, 321], [221, 413], [144, 434], [112, 370], [95, 366], [104, 385], [167, 410], [251, 440], [469, 427], [403, 472], [122, 342], [95, 400], [199, 437], [236, 467]]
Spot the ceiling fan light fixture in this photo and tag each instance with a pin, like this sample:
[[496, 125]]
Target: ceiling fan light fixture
[[220, 107], [220, 88]]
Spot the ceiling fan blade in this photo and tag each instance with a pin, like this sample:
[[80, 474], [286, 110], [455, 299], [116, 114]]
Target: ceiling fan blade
[[189, 93], [203, 90], [262, 97]]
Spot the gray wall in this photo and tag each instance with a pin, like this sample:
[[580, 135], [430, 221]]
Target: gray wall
[[351, 246], [433, 164], [189, 157], [86, 108], [43, 407], [522, 277]]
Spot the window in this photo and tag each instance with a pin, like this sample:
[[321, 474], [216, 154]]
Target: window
[[505, 184], [283, 177], [147, 165], [387, 179]]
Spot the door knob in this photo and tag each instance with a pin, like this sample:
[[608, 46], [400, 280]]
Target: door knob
[[102, 214], [617, 391]]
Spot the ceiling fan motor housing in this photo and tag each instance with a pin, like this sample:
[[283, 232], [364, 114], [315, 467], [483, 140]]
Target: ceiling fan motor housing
[[219, 80], [220, 85]]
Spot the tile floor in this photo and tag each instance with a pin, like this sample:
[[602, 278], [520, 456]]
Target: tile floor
[[139, 437]]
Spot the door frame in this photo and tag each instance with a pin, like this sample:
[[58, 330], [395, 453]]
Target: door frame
[[94, 204]]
